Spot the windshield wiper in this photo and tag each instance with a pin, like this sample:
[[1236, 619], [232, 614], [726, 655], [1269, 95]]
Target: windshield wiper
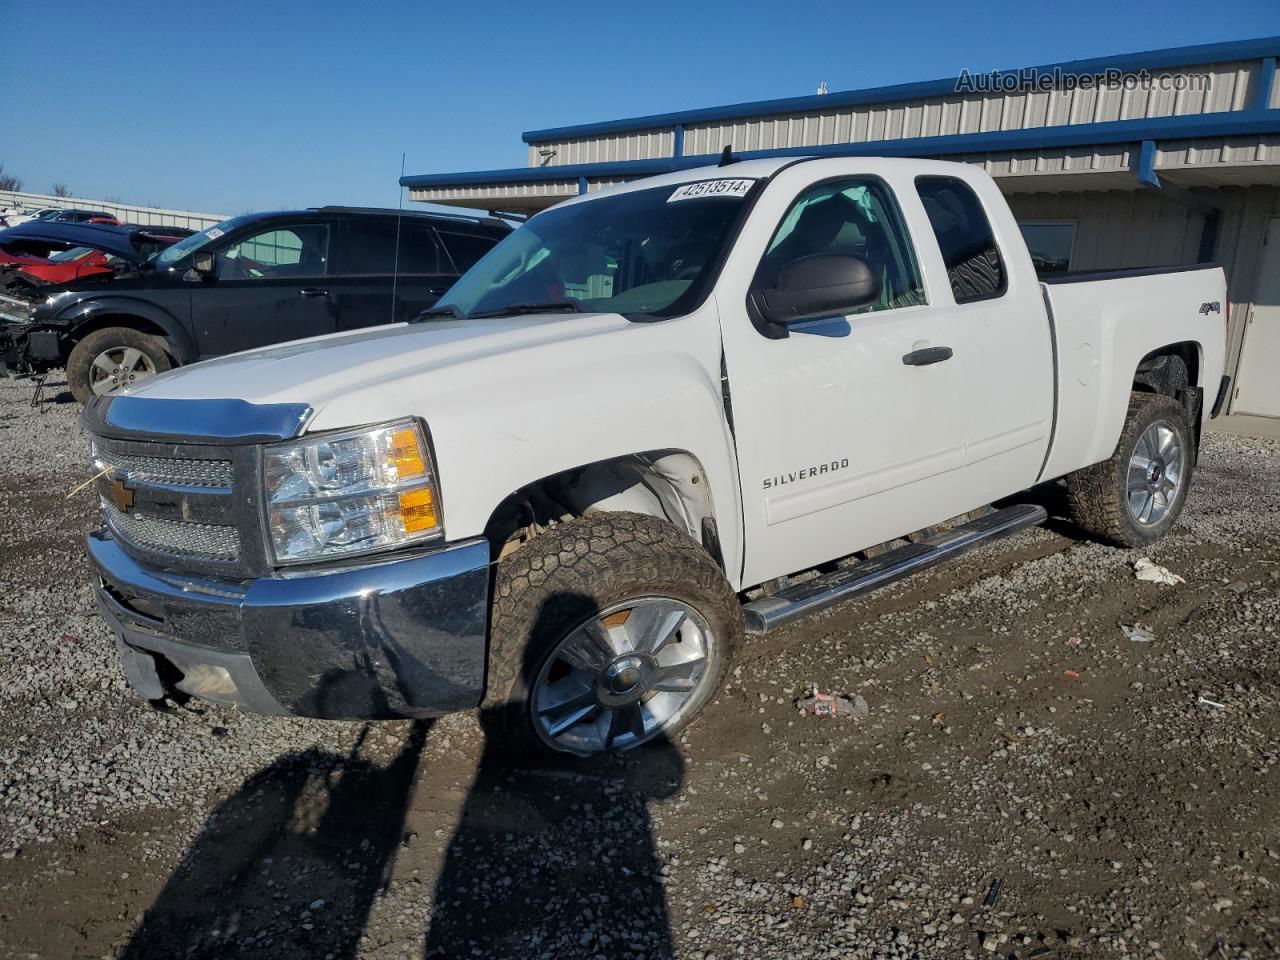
[[550, 306], [450, 310]]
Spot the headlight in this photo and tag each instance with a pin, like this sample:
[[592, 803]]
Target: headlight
[[350, 493]]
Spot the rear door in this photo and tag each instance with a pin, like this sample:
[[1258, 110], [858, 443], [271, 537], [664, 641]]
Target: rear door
[[364, 268], [999, 329], [425, 271], [271, 284]]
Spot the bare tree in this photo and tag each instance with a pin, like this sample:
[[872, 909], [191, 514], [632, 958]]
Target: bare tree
[[61, 190], [8, 181]]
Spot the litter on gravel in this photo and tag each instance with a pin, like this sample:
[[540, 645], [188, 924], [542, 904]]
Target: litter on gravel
[[1136, 633], [819, 704], [1145, 569]]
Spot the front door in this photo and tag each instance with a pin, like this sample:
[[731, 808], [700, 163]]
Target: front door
[[845, 437], [270, 285], [1257, 386]]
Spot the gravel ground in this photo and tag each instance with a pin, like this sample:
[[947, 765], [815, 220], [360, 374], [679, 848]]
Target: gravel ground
[[1030, 782]]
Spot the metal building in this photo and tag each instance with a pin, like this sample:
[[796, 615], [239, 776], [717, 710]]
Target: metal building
[[1169, 156]]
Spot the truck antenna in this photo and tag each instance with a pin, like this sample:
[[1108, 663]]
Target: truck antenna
[[395, 270]]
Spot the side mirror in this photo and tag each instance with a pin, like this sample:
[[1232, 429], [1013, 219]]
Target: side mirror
[[821, 285], [202, 268]]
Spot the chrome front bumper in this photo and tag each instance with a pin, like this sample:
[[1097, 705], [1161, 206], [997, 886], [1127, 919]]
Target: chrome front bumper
[[401, 638]]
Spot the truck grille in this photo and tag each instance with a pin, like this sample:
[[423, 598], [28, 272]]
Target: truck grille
[[184, 507], [173, 538], [180, 472]]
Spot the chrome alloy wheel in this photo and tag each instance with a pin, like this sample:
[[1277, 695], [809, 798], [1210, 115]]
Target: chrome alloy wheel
[[119, 367], [1155, 473], [624, 676]]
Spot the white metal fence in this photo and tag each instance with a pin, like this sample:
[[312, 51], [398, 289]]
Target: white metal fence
[[124, 212]]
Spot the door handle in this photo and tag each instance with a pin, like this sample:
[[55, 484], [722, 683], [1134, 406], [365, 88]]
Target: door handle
[[313, 292], [437, 291], [922, 358]]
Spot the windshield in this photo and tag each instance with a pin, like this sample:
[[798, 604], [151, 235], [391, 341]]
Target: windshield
[[171, 255], [640, 252], [75, 253]]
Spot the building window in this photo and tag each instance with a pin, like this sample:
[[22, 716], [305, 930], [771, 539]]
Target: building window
[[1050, 243]]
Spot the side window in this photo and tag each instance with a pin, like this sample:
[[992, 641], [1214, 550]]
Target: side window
[[857, 217], [419, 249], [964, 235], [368, 247], [466, 248], [297, 251]]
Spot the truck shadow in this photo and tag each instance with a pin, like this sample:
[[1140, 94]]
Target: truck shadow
[[291, 864], [557, 862], [556, 858], [547, 859]]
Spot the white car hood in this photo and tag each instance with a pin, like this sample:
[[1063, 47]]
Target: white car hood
[[321, 369]]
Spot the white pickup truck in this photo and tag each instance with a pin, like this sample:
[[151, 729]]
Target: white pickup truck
[[652, 418]]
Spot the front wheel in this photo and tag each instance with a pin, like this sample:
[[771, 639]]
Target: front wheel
[[1133, 498], [112, 358], [609, 631]]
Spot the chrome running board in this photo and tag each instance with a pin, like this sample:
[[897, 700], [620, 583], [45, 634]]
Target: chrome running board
[[769, 613]]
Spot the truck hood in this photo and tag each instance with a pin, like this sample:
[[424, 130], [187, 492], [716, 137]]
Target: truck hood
[[320, 370]]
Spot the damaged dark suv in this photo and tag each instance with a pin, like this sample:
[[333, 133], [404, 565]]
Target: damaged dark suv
[[248, 282]]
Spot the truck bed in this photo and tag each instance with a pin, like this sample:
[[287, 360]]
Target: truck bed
[[1104, 324]]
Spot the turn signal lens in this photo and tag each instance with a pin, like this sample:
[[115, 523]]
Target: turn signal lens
[[418, 511], [410, 461]]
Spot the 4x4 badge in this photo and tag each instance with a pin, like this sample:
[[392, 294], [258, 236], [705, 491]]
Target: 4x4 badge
[[120, 495]]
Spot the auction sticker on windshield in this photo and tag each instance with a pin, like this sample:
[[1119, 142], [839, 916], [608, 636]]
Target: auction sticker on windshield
[[711, 188]]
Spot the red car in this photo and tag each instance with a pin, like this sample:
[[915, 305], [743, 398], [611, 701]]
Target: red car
[[66, 266], [23, 274]]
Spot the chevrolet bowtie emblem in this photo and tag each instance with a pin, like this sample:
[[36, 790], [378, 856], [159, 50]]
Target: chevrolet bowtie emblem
[[120, 495]]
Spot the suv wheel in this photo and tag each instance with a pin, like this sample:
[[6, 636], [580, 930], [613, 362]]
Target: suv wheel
[[114, 357], [609, 631]]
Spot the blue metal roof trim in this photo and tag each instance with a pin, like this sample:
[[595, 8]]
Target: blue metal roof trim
[[1152, 60], [1230, 123]]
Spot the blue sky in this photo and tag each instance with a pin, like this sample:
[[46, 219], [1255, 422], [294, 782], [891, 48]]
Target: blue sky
[[226, 107]]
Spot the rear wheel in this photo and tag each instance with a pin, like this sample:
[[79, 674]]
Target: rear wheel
[[1133, 498], [609, 631], [112, 358]]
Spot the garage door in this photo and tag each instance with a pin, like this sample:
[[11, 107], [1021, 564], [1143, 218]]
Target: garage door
[[1258, 383]]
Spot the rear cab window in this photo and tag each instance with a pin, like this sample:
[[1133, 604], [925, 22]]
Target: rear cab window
[[975, 269]]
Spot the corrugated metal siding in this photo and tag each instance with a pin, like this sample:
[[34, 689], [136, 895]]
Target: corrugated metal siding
[[1229, 88], [494, 195], [1119, 229], [1180, 153], [1111, 157], [627, 146]]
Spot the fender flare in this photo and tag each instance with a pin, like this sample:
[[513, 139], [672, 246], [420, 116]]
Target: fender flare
[[76, 315]]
